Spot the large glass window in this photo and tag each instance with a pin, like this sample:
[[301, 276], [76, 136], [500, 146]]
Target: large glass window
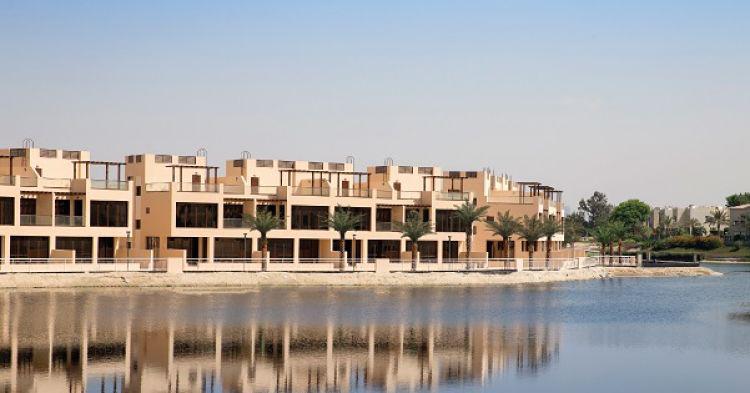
[[364, 216], [82, 245], [7, 214], [109, 214], [446, 221], [29, 247], [309, 217], [280, 248], [228, 247], [384, 249], [427, 249], [196, 215]]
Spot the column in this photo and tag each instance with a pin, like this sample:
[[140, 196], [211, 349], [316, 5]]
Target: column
[[210, 249], [439, 252], [94, 250], [363, 251], [295, 250], [6, 249]]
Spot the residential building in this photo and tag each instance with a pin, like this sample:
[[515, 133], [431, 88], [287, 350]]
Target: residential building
[[682, 216], [739, 223], [61, 203]]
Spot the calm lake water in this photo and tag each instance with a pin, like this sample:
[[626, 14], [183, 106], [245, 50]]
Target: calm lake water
[[619, 335]]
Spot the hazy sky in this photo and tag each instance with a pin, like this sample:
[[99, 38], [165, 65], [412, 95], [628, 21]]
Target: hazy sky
[[646, 99]]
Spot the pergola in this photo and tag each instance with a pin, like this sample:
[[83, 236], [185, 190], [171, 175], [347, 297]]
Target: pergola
[[10, 161], [86, 166], [208, 169], [533, 187], [452, 179], [321, 176]]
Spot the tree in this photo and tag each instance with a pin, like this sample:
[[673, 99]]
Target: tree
[[414, 229], [738, 199], [666, 226], [694, 227], [263, 222], [718, 218], [603, 235], [596, 209], [573, 231], [342, 221], [505, 226], [632, 213], [531, 231], [619, 233], [550, 227], [467, 214]]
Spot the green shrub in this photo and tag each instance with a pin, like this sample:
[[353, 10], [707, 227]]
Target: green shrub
[[694, 242]]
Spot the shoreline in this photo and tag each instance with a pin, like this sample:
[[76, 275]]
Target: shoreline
[[363, 279]]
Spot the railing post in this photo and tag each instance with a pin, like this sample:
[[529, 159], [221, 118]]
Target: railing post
[[266, 262], [519, 264]]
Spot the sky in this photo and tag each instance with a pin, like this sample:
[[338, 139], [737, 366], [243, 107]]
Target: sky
[[637, 99]]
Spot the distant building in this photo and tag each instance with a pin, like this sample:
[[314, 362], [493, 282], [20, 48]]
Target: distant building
[[681, 216], [738, 227]]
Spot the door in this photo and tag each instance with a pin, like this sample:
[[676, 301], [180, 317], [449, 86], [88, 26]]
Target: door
[[344, 188]]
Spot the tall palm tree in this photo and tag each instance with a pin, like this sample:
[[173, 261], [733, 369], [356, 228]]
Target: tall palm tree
[[414, 229], [619, 232], [263, 222], [531, 231], [505, 226], [718, 218], [666, 226], [603, 235], [467, 214], [550, 227], [342, 221]]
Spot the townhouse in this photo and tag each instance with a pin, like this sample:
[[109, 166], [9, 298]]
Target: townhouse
[[60, 203]]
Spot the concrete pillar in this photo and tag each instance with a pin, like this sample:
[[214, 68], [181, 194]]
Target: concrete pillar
[[439, 252], [295, 250], [363, 251], [210, 249], [5, 240], [94, 250], [519, 264]]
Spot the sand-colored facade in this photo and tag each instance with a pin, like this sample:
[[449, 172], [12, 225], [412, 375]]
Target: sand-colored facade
[[170, 205]]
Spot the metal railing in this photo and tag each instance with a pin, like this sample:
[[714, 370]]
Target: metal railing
[[613, 260], [264, 190], [68, 221], [385, 227], [109, 185], [35, 220], [452, 196], [83, 265], [197, 187]]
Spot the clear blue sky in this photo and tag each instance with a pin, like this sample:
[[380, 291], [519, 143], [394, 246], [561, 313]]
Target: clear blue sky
[[646, 99]]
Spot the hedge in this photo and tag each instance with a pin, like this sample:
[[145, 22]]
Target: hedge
[[693, 242]]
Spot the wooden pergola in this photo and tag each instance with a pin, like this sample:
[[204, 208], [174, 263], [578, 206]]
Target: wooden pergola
[[208, 169], [86, 166], [452, 179], [321, 176]]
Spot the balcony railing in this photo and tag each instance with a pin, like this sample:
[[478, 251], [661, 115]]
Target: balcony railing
[[415, 195], [198, 187], [385, 194], [109, 185], [236, 223], [68, 221], [453, 196], [355, 192], [54, 183], [385, 227], [28, 181], [236, 189], [311, 191], [158, 187], [35, 220], [264, 190], [6, 180]]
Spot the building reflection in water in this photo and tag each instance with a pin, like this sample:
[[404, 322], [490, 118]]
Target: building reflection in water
[[65, 342]]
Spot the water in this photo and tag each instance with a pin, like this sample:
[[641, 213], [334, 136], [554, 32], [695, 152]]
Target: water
[[620, 335]]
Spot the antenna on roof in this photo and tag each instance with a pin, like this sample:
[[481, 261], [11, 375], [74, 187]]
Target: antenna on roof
[[350, 160], [245, 155], [388, 161], [28, 143]]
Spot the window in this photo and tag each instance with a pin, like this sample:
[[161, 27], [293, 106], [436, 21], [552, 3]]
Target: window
[[137, 224], [138, 158], [189, 244], [229, 247], [335, 166], [425, 170], [62, 207], [264, 163], [454, 174], [105, 248], [47, 153], [446, 221], [130, 159], [7, 211], [152, 242], [163, 159], [384, 249], [81, 245], [364, 216], [427, 249], [71, 155], [29, 247], [109, 214], [137, 190], [28, 206], [315, 165], [471, 174], [280, 248], [309, 217], [196, 215], [232, 210], [405, 169], [190, 160], [237, 163], [380, 169], [148, 210], [286, 164], [18, 152]]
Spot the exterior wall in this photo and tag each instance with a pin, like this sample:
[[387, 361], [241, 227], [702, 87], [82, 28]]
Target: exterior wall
[[737, 222]]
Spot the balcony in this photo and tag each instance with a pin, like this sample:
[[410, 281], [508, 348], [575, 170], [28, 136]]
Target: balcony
[[61, 183], [453, 196], [35, 220], [197, 187], [158, 187], [355, 192], [109, 185], [410, 195], [6, 180], [29, 182], [68, 221]]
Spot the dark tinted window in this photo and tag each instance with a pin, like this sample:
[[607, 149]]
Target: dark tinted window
[[196, 215], [109, 214]]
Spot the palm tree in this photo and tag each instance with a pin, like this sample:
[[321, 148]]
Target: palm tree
[[467, 214], [692, 225], [603, 235], [718, 218], [342, 221], [550, 227], [619, 232], [414, 229], [666, 226], [263, 222], [531, 231], [505, 227]]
